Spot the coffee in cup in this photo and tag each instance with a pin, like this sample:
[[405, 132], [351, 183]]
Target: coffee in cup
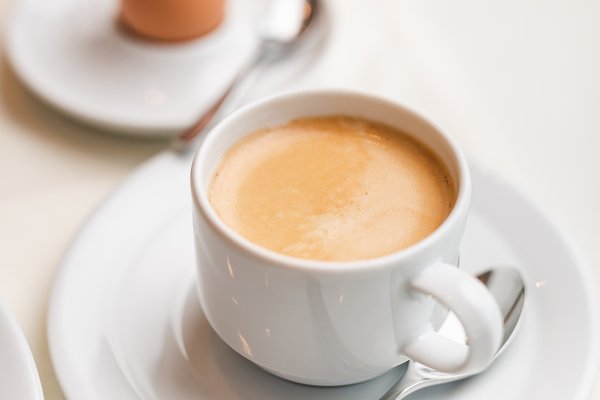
[[332, 188], [327, 229]]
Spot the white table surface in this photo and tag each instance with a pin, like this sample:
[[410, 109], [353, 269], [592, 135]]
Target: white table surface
[[516, 82]]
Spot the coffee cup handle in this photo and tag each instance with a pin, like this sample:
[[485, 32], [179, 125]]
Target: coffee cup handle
[[477, 311]]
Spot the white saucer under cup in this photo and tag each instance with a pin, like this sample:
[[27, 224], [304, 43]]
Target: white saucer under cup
[[124, 322], [72, 54]]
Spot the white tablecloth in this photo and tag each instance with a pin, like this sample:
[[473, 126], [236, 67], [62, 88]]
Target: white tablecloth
[[516, 82]]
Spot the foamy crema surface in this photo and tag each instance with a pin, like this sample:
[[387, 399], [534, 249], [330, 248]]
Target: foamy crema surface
[[332, 188]]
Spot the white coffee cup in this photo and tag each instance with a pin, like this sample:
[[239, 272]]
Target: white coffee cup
[[334, 323]]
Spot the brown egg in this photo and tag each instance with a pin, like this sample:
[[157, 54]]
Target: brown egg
[[172, 19]]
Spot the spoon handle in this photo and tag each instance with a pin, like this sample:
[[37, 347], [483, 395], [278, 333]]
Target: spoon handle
[[225, 104], [410, 382], [417, 377]]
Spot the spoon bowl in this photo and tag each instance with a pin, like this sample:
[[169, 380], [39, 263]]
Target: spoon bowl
[[288, 26], [508, 289]]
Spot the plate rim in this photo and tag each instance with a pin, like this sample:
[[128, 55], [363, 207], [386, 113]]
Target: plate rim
[[18, 338]]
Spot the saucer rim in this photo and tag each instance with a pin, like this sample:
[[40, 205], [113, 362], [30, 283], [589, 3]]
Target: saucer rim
[[584, 271], [59, 353], [112, 124]]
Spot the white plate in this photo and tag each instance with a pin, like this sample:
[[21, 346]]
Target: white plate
[[18, 374], [72, 55], [124, 321]]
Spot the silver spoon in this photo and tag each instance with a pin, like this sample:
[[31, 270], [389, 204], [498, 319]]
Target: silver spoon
[[508, 288], [287, 27]]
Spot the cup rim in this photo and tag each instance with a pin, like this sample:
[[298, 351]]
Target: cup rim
[[202, 204]]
